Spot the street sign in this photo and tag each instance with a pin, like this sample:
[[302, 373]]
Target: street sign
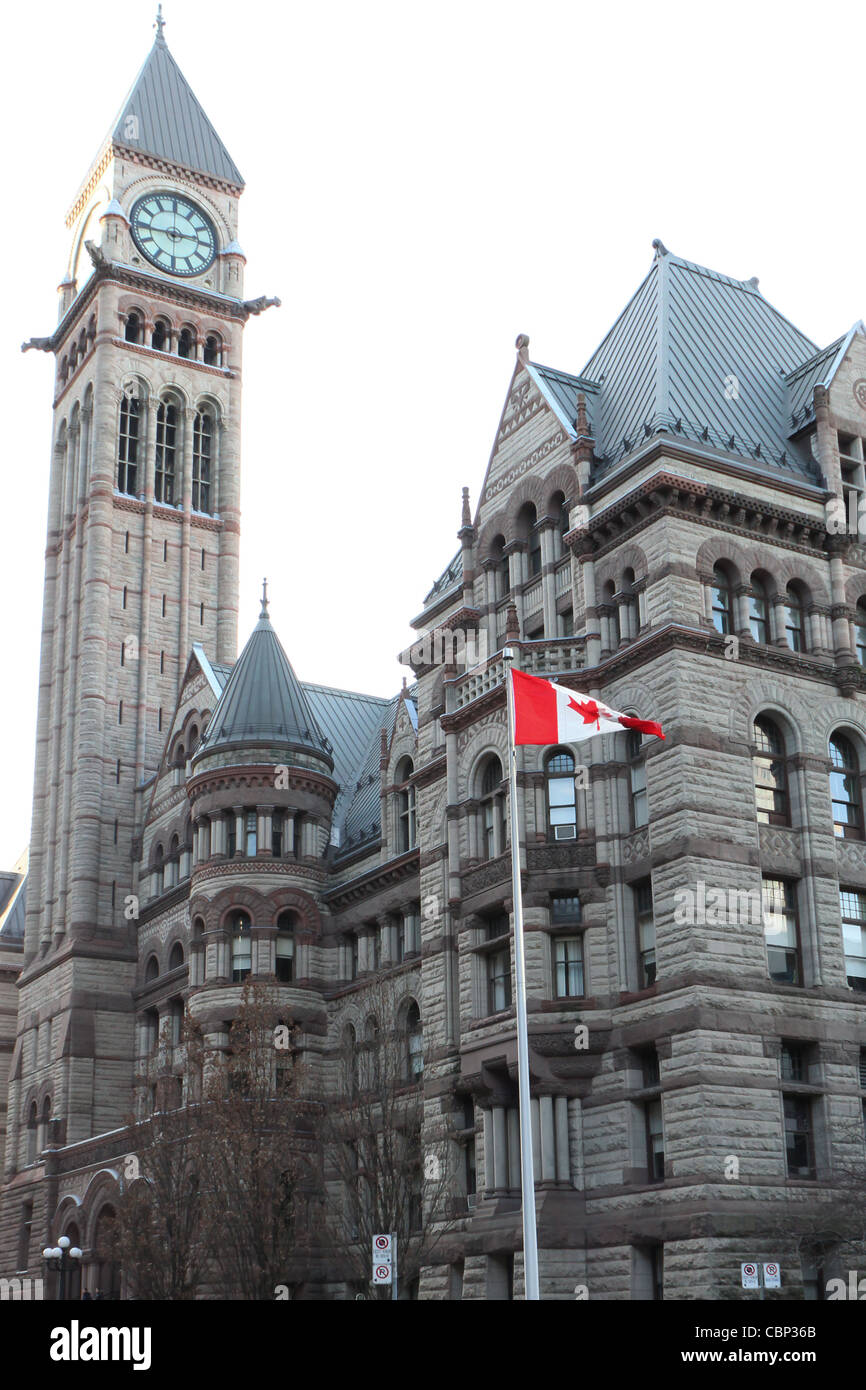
[[381, 1273], [772, 1277], [382, 1248], [750, 1276]]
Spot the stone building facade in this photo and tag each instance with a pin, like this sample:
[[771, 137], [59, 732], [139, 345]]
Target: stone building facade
[[674, 531]]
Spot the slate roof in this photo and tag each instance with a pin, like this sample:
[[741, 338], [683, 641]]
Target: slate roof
[[263, 701], [351, 723], [169, 122], [817, 371], [362, 823], [13, 903], [561, 391], [450, 578], [703, 355]]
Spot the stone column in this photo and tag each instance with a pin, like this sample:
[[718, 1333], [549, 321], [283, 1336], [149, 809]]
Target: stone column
[[563, 1163], [487, 1126], [500, 1149], [548, 580], [535, 1122], [513, 1148], [240, 828], [548, 1145]]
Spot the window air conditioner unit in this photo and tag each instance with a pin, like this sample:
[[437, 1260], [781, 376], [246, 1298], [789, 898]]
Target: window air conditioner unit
[[564, 832]]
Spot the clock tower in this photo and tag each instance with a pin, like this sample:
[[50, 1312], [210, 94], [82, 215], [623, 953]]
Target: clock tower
[[141, 562]]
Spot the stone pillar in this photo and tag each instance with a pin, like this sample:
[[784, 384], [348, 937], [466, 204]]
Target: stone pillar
[[513, 1148], [240, 828], [548, 581], [218, 837], [500, 1149], [563, 1163], [487, 1125], [548, 1147], [535, 1122]]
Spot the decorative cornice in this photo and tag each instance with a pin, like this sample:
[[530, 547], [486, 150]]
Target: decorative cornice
[[374, 881]]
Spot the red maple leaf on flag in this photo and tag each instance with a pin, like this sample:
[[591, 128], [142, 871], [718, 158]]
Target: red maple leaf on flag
[[587, 708]]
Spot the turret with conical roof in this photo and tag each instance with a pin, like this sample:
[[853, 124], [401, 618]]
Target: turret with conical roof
[[264, 707]]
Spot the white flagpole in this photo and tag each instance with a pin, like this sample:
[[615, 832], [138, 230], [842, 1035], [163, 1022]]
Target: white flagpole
[[527, 1174]]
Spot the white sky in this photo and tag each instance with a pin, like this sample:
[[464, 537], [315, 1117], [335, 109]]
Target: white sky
[[423, 184]]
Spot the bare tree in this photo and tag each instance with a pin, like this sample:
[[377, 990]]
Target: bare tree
[[160, 1234], [220, 1185], [381, 1176], [263, 1157]]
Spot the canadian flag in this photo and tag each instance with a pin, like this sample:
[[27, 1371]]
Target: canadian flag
[[548, 713]]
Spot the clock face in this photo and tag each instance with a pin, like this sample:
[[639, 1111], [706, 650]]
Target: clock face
[[173, 233]]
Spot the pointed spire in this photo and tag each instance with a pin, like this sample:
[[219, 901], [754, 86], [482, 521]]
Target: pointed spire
[[162, 117], [263, 704], [466, 518]]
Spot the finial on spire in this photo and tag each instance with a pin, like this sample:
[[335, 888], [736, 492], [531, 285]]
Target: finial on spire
[[466, 517], [159, 25], [264, 612]]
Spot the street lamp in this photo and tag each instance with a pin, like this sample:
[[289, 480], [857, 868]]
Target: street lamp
[[61, 1258]]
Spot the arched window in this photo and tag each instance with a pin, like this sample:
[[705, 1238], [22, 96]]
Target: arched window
[[212, 350], [721, 596], [493, 808], [527, 519], [132, 329], [175, 1021], [845, 789], [557, 507], [185, 343], [32, 1134], [637, 780], [771, 782], [350, 1059], [628, 607], [285, 951], [240, 926], [106, 1265], [794, 622], [371, 1040], [166, 453], [158, 870], [414, 1043], [64, 371], [193, 739], [202, 460], [161, 336], [406, 824], [860, 630], [561, 795], [502, 578], [44, 1121], [127, 445], [758, 620], [176, 958], [151, 970]]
